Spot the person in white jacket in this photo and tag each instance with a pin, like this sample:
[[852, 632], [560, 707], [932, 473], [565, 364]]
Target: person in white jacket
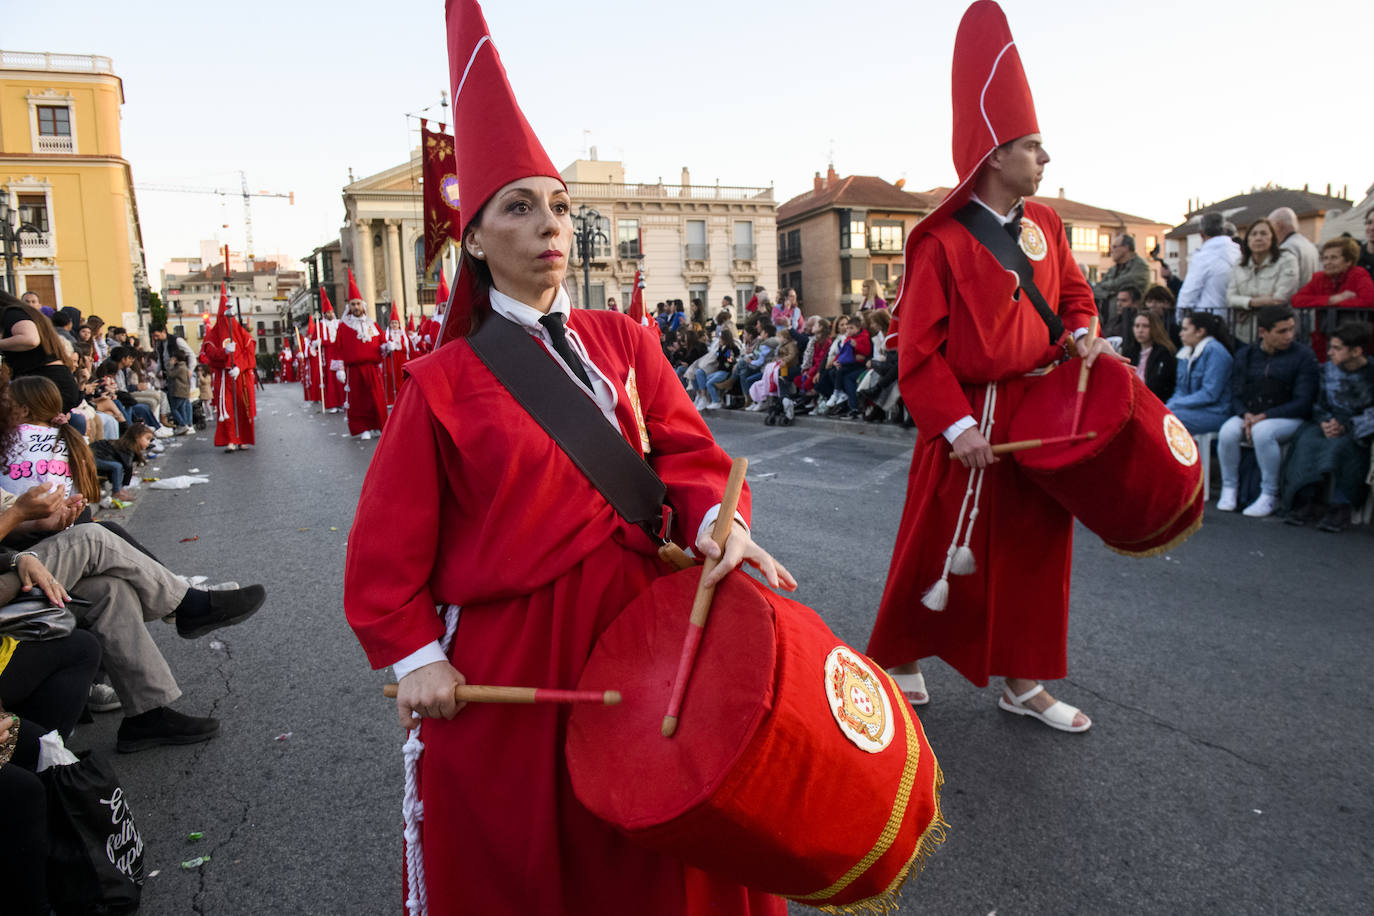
[[1266, 275], [1209, 269]]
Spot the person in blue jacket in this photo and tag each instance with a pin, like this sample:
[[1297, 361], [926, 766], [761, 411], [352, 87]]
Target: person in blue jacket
[[1202, 394]]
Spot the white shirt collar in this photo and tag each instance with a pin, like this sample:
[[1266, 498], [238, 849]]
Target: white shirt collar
[[1004, 220], [524, 315]]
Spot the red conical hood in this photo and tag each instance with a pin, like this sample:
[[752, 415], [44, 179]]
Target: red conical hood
[[441, 298], [992, 106], [353, 291], [493, 142], [325, 305]]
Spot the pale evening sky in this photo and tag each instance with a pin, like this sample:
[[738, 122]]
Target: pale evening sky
[[1142, 105]]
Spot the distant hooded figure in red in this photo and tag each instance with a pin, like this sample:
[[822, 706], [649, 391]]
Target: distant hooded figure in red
[[496, 519], [231, 353], [310, 362], [980, 572], [396, 351], [332, 365], [427, 337], [359, 347]]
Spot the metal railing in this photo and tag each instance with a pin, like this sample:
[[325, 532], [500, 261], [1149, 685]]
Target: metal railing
[[617, 191], [43, 60], [744, 252], [696, 251], [628, 250]]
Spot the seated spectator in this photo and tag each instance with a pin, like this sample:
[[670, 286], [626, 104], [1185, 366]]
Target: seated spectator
[[1126, 306], [873, 296], [1337, 440], [134, 380], [852, 354], [690, 348], [786, 315], [1273, 384], [1202, 387], [1152, 353], [1367, 249], [31, 347], [814, 356], [755, 361], [116, 458], [1266, 275], [122, 589], [827, 388], [1339, 283], [1159, 301], [128, 407], [883, 364], [716, 367], [43, 447]]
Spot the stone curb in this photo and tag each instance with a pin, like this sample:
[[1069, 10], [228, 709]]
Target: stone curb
[[808, 423]]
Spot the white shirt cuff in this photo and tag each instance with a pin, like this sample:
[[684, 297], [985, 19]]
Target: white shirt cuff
[[426, 655], [957, 427], [710, 519], [1079, 333]]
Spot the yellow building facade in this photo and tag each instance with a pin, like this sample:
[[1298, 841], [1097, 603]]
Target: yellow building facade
[[68, 187]]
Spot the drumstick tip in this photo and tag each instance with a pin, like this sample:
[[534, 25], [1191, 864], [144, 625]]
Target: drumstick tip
[[612, 698], [669, 726], [389, 691]]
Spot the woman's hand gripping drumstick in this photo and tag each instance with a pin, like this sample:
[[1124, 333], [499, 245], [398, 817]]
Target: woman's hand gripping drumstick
[[726, 547]]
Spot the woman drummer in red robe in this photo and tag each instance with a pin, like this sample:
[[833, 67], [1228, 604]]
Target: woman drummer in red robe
[[493, 518]]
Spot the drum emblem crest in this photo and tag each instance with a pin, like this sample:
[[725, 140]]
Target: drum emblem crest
[[1180, 442], [1033, 240], [857, 700]]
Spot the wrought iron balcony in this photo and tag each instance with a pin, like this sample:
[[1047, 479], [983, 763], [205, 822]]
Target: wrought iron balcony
[[696, 251]]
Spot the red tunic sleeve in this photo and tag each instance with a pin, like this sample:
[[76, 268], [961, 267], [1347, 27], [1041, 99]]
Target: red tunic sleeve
[[213, 355], [387, 598], [929, 389], [1077, 307], [1314, 294]]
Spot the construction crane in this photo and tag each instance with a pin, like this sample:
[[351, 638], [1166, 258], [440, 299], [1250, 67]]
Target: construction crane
[[247, 208]]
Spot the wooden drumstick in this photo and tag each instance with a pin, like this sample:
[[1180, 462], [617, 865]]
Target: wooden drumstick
[[1083, 377], [701, 605], [482, 693], [1022, 444]]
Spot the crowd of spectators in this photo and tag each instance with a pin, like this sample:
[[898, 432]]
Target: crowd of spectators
[[78, 413]]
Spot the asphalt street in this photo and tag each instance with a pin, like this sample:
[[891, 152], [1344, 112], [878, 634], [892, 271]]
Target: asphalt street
[[1228, 769]]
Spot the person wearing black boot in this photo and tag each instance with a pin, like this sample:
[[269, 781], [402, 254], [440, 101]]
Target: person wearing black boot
[[119, 590]]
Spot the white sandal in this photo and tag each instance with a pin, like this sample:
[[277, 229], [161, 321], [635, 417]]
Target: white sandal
[[1060, 715], [911, 686]]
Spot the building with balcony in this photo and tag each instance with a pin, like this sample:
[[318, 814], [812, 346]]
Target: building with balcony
[[842, 232], [70, 190], [260, 297], [693, 242]]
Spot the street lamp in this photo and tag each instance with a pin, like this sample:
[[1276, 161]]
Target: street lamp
[[10, 227], [587, 234]]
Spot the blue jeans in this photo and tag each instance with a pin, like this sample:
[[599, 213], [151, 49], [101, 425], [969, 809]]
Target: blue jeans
[[848, 381], [143, 413], [1267, 436], [78, 422], [707, 383], [114, 469], [109, 425], [181, 410]]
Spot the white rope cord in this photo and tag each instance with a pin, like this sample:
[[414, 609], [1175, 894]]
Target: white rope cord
[[412, 808], [964, 563], [937, 596]]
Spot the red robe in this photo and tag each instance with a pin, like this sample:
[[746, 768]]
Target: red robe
[[310, 370], [288, 366], [429, 334], [960, 328], [362, 361], [394, 363], [235, 400], [332, 363], [496, 518]]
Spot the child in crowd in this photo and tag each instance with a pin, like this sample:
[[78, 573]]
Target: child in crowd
[[44, 448], [205, 389], [118, 457], [179, 390]]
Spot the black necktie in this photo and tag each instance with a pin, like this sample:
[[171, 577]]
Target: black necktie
[[553, 323], [1014, 227]]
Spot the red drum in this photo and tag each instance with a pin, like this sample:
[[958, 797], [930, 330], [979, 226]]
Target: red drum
[[1138, 485], [797, 769]]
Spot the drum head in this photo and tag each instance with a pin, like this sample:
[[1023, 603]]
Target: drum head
[[622, 767]]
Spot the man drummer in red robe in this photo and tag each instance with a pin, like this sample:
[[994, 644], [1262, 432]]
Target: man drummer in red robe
[[231, 353], [980, 571], [359, 347], [332, 365], [396, 351]]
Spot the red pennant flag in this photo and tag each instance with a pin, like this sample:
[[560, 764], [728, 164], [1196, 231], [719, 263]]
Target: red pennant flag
[[636, 310], [439, 171]]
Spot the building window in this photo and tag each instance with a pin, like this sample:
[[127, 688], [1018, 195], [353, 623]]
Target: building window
[[54, 121], [597, 296], [744, 240], [1104, 243], [789, 246], [627, 238], [880, 274], [794, 283], [1151, 243], [33, 209], [885, 235], [601, 248], [696, 240], [697, 292], [1083, 238], [742, 296], [851, 231]]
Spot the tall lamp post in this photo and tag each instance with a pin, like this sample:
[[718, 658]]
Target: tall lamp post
[[10, 227], [587, 233]]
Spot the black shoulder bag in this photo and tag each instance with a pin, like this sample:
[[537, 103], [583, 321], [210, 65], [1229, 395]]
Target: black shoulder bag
[[993, 236], [575, 424]]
